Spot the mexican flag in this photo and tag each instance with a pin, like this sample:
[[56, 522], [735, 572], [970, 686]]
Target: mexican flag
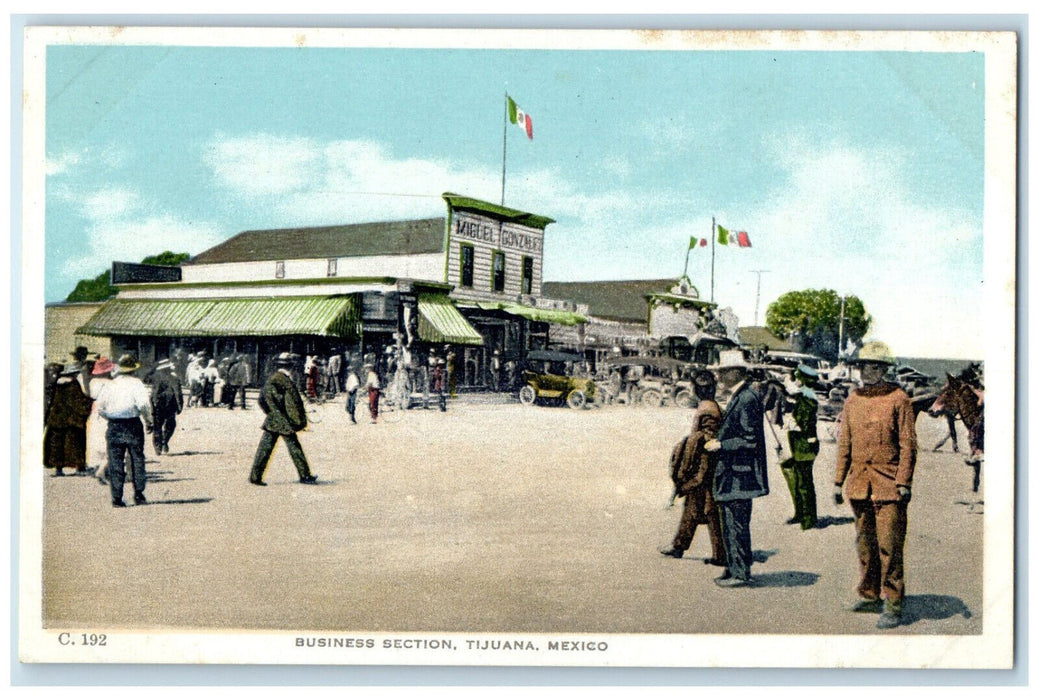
[[740, 238], [520, 118], [694, 242]]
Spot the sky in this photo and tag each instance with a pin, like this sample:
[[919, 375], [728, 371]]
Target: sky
[[860, 172]]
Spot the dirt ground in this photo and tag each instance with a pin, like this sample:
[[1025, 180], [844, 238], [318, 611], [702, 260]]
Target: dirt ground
[[492, 517]]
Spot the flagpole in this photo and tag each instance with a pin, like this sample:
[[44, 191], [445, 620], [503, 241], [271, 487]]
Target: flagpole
[[685, 271], [504, 140], [712, 257]]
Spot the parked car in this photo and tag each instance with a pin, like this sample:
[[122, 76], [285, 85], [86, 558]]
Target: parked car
[[650, 381], [550, 376]]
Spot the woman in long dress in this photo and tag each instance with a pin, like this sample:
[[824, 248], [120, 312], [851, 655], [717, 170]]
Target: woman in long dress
[[97, 425]]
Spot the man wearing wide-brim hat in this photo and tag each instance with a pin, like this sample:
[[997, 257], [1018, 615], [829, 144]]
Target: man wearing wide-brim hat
[[286, 416], [876, 457], [66, 424], [167, 402], [125, 403], [741, 471]]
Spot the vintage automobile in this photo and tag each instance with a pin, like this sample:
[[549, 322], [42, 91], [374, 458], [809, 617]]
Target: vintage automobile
[[649, 381], [549, 376]]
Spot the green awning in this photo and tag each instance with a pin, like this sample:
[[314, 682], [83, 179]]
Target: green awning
[[440, 322], [311, 315], [563, 318]]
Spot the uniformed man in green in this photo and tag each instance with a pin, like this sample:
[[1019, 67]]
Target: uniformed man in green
[[286, 416], [804, 445]]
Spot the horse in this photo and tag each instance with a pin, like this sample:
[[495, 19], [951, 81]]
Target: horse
[[958, 396]]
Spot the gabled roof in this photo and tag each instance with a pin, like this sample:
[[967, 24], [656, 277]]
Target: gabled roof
[[462, 203], [409, 237], [621, 300]]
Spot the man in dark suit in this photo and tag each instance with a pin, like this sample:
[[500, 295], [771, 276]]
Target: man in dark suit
[[741, 473], [286, 416]]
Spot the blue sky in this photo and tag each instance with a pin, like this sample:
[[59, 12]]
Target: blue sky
[[856, 171]]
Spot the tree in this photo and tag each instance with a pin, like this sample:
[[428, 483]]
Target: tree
[[166, 258], [100, 288], [811, 320], [97, 289]]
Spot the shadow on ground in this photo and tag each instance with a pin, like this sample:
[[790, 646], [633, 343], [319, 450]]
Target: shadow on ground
[[179, 501], [933, 607], [829, 521], [763, 555], [785, 579]]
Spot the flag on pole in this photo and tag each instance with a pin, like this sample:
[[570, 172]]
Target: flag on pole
[[726, 237], [694, 242], [520, 118]]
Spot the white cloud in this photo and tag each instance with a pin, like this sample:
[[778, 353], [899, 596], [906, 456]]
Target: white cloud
[[109, 158], [123, 225], [61, 163], [131, 240], [356, 180], [109, 204], [262, 165]]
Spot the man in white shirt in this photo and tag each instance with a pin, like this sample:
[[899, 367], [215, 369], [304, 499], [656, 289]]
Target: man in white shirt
[[125, 402]]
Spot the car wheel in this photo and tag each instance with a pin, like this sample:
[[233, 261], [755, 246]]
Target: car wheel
[[576, 399], [684, 399], [651, 398], [527, 395]]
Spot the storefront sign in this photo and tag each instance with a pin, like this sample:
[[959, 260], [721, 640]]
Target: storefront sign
[[497, 235]]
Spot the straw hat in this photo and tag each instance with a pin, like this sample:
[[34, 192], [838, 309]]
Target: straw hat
[[128, 363], [72, 368], [285, 359], [875, 351], [730, 359]]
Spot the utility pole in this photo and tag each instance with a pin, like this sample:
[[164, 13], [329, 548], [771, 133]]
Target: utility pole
[[840, 332], [757, 296]]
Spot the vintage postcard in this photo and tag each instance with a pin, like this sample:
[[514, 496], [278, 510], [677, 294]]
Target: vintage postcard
[[486, 347]]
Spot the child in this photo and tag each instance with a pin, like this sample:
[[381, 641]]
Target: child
[[692, 470]]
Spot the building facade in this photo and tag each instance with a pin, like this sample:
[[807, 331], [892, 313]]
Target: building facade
[[467, 286]]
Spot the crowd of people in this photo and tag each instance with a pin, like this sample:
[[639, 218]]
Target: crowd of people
[[97, 413], [721, 467]]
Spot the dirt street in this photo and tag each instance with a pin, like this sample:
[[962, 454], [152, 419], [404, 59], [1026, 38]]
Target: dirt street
[[487, 518]]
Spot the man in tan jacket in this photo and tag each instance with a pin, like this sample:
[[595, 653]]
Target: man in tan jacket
[[876, 455]]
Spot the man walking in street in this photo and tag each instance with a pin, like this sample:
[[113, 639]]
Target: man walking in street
[[740, 474], [125, 403], [876, 456], [352, 385], [240, 376], [374, 388], [286, 416], [167, 401]]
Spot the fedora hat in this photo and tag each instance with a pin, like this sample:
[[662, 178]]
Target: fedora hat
[[102, 366], [80, 353], [128, 363], [730, 359]]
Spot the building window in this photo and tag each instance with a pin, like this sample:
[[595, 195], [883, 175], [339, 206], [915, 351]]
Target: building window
[[332, 263], [467, 266], [528, 275], [498, 271], [279, 270]]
